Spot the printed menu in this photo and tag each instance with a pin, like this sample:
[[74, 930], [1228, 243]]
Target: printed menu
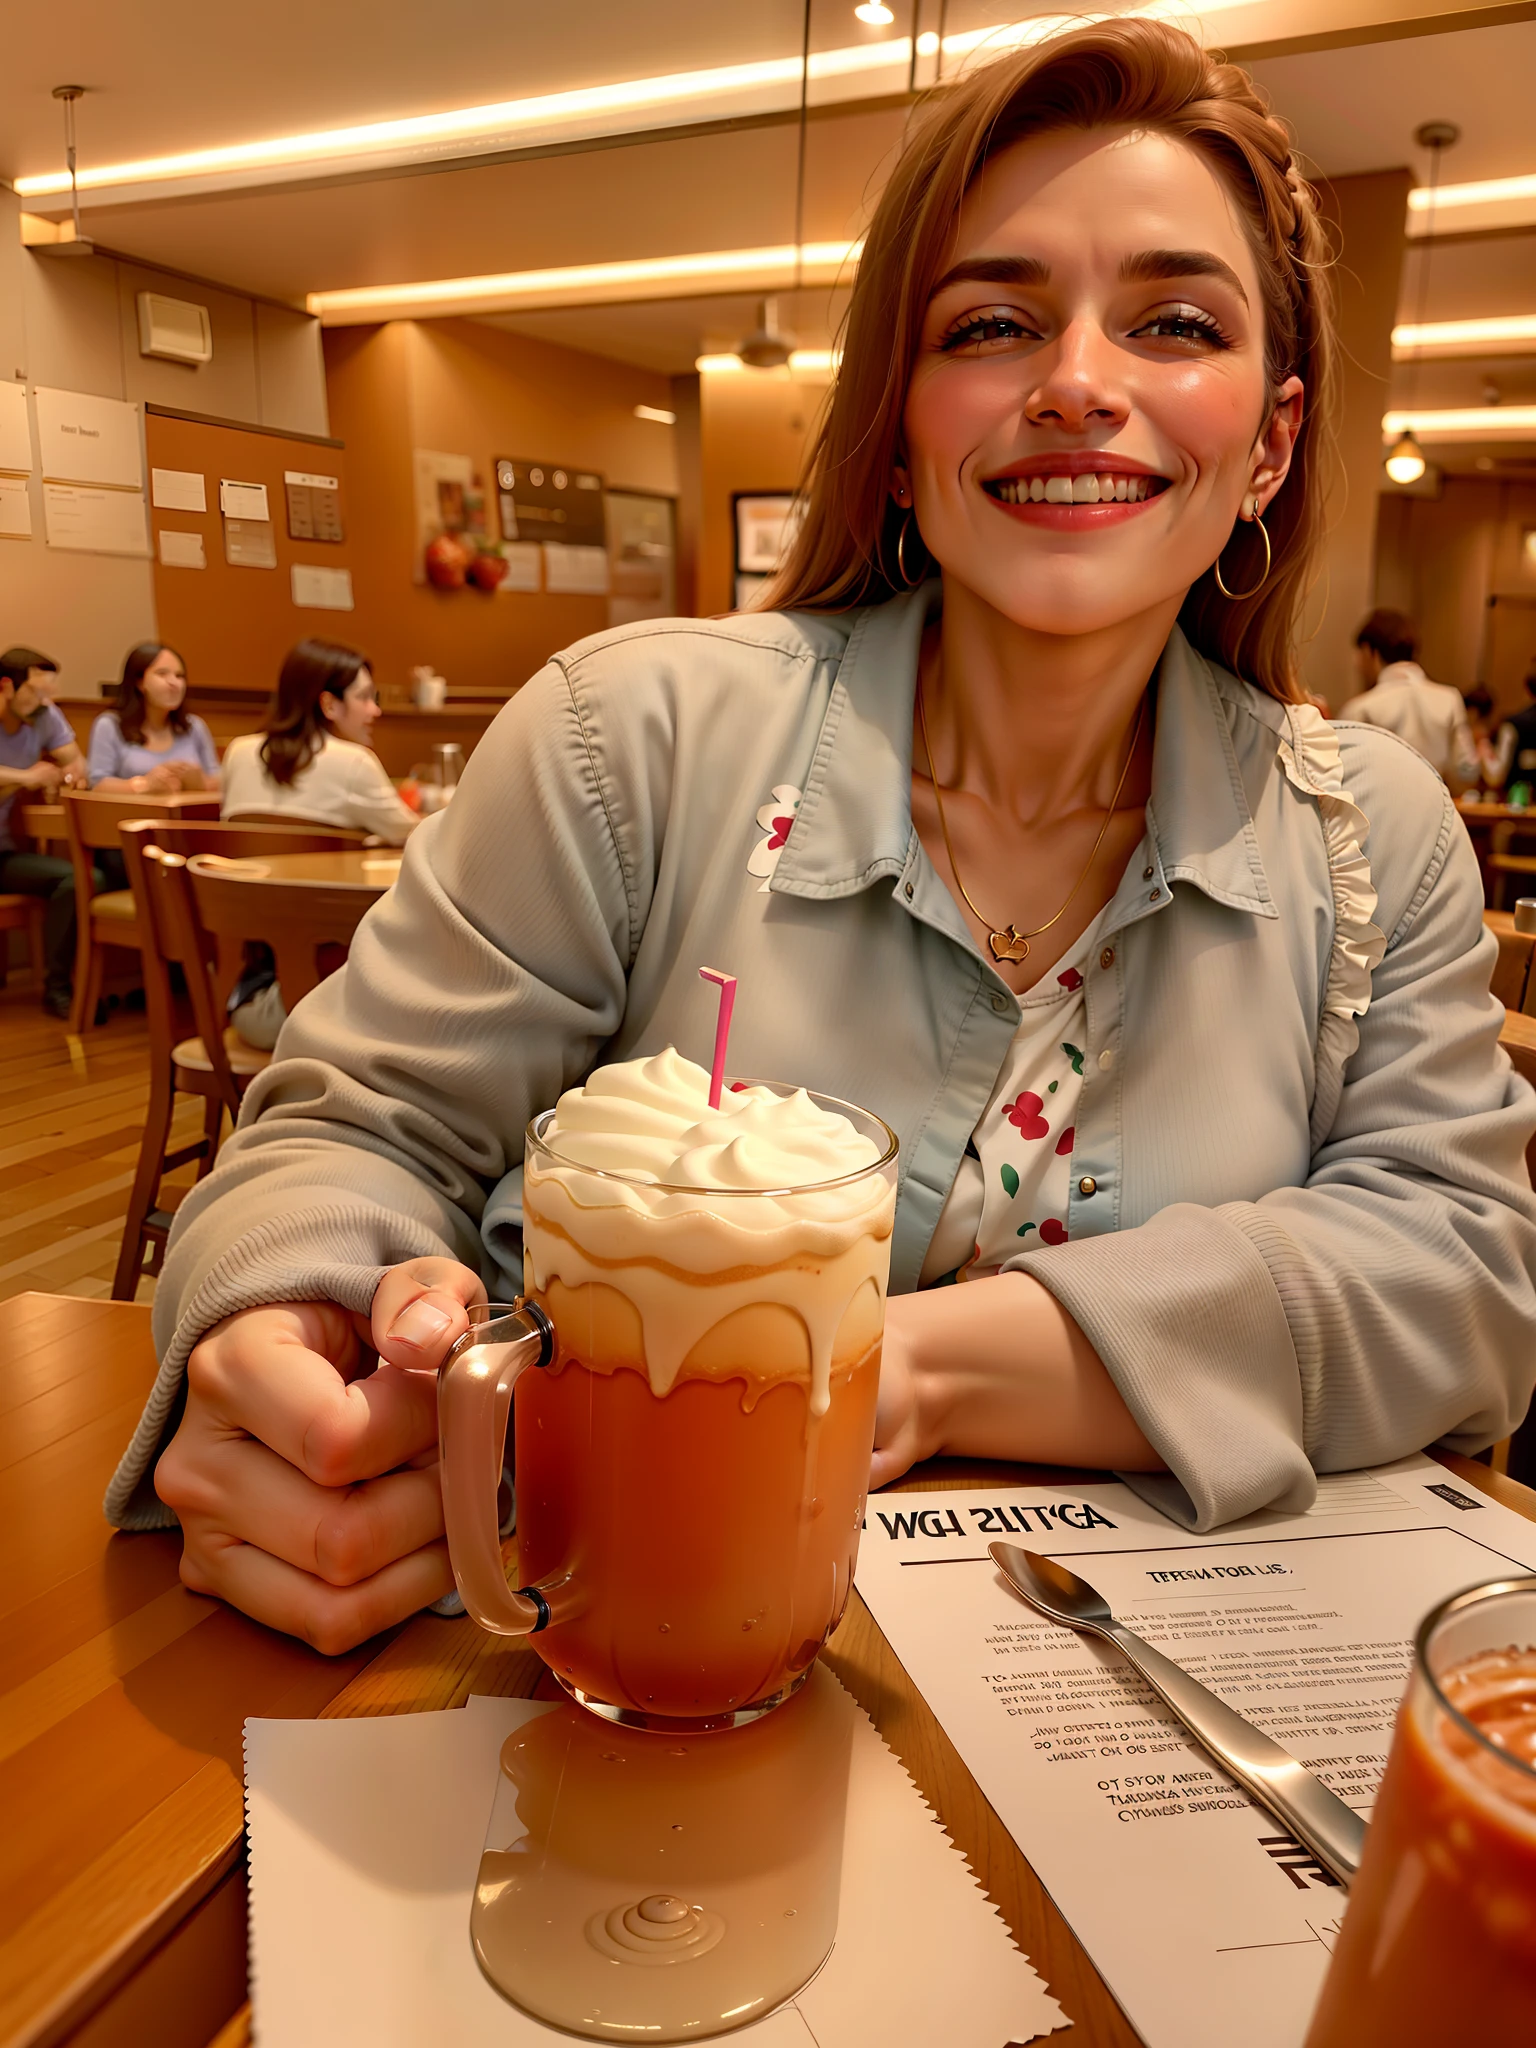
[[1207, 1921]]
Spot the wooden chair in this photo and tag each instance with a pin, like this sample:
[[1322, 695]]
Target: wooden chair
[[1513, 983], [192, 1051], [308, 925], [25, 913], [1505, 866], [110, 917], [352, 835]]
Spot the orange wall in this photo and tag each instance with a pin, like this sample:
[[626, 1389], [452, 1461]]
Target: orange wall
[[458, 387], [756, 429]]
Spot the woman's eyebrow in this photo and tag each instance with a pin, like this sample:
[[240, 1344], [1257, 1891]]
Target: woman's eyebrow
[[994, 270], [1149, 265]]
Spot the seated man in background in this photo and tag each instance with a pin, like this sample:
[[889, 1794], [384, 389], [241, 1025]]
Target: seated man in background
[[38, 751], [1400, 697]]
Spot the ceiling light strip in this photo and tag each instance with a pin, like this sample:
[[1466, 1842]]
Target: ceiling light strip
[[1465, 335], [1479, 422], [650, 277], [768, 86], [803, 362]]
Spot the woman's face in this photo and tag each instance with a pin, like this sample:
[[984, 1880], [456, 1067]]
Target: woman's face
[[165, 682], [352, 716], [1097, 323]]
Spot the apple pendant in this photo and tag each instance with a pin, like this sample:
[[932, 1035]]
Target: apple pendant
[[1009, 944]]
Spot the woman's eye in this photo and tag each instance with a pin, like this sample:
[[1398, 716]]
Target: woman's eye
[[979, 330], [1183, 323]]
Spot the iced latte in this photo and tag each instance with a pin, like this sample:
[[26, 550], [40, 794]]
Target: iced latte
[[697, 1450]]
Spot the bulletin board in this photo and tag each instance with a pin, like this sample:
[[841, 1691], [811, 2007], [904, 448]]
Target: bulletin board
[[232, 623]]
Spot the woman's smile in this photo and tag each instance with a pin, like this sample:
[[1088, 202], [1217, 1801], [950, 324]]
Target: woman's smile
[[1078, 492]]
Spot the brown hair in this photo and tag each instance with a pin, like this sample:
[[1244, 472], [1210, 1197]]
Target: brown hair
[[17, 663], [130, 692], [1115, 73], [1392, 635], [296, 726]]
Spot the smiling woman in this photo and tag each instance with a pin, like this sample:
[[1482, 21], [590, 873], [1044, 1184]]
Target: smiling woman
[[1195, 1071]]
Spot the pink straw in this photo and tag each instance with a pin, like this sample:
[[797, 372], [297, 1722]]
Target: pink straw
[[727, 987]]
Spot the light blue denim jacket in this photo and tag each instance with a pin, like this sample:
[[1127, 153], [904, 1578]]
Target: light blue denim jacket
[[1295, 1252]]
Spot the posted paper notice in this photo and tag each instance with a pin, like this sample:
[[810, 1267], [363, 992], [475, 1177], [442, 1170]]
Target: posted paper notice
[[1210, 1925]]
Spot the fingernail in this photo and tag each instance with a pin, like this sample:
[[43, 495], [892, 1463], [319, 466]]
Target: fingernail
[[421, 1323]]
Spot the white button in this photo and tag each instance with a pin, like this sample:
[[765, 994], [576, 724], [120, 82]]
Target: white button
[[1106, 1060]]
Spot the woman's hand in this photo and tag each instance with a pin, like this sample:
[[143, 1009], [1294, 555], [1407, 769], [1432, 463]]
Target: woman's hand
[[996, 1368], [162, 779], [902, 1430], [188, 775], [304, 1471]]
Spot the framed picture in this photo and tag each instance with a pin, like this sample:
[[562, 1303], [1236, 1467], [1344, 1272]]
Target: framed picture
[[764, 524]]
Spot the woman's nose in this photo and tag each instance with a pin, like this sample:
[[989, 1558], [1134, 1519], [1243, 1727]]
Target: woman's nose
[[1079, 381]]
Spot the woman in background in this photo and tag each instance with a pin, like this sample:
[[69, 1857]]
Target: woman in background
[[151, 742], [315, 761]]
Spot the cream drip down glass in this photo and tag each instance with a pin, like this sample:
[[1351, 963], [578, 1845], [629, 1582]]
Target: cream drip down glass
[[693, 1372]]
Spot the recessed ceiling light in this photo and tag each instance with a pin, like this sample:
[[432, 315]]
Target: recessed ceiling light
[[875, 14], [658, 413]]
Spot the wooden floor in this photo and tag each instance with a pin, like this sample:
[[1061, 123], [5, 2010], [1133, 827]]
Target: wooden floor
[[71, 1115]]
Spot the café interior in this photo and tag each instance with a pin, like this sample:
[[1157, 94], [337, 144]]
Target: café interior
[[355, 362]]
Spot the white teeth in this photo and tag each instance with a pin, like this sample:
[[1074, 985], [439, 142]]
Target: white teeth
[[1072, 490]]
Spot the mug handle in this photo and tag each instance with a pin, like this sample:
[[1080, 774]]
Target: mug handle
[[474, 1400]]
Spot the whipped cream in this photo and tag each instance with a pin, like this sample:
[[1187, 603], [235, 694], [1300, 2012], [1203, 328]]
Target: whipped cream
[[651, 1118], [767, 1200]]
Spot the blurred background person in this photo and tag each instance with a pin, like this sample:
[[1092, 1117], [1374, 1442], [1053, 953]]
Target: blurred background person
[[38, 752], [1400, 697], [315, 760], [1487, 736], [151, 742], [1514, 750]]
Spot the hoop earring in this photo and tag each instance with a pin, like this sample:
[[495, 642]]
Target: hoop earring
[[908, 579], [1239, 596]]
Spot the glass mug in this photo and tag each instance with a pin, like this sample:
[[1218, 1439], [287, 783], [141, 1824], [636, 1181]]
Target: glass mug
[[1438, 1943], [693, 1376]]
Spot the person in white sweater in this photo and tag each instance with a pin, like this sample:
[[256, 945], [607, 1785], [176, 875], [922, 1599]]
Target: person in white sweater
[[315, 760]]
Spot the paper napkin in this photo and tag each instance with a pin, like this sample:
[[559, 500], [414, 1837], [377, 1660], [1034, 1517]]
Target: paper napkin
[[365, 1840]]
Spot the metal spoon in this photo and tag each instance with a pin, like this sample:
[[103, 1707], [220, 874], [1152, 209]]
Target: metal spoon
[[1331, 1830]]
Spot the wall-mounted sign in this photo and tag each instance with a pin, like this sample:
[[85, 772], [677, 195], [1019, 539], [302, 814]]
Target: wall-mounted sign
[[314, 506], [94, 521], [544, 501], [87, 440]]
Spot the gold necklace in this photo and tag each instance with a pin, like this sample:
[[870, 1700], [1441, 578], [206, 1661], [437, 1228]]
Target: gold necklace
[[1008, 942]]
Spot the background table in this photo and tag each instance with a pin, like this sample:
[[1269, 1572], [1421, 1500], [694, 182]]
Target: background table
[[41, 819], [349, 869], [122, 1697]]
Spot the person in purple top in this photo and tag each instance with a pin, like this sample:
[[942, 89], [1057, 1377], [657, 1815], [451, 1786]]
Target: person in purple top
[[38, 751], [150, 741]]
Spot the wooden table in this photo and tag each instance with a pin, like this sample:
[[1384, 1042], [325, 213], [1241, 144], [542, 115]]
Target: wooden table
[[122, 1697], [359, 869], [42, 819]]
